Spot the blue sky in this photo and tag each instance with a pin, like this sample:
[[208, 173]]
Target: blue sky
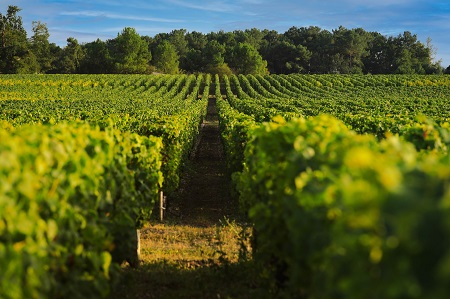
[[87, 20]]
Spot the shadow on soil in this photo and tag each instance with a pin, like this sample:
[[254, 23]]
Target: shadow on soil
[[163, 280]]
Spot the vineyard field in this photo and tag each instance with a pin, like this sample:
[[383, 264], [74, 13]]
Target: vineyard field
[[345, 178]]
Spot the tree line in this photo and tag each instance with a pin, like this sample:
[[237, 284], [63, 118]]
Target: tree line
[[251, 51]]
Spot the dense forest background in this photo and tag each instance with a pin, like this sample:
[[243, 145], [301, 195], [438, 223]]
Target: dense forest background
[[251, 51]]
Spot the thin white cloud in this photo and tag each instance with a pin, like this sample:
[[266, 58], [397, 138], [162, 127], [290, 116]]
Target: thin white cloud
[[95, 14], [134, 4], [257, 2], [142, 30], [215, 6]]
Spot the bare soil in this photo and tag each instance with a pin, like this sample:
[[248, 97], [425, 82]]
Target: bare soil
[[203, 198]]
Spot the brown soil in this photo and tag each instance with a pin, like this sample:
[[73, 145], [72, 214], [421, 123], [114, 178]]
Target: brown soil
[[203, 198]]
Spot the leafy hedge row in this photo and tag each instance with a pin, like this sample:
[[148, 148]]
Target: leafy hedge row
[[71, 196], [341, 215], [95, 182], [272, 178], [166, 106], [178, 133], [234, 128]]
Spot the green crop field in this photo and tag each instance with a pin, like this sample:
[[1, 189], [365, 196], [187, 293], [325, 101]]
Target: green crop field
[[345, 178]]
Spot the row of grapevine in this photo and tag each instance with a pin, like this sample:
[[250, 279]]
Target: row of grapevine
[[338, 214], [83, 159], [335, 212], [363, 106], [234, 127], [71, 197], [172, 111]]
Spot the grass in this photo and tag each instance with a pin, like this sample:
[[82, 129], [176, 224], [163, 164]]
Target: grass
[[182, 261]]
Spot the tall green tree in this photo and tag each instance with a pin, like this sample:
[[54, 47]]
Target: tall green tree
[[270, 40], [252, 37], [193, 60], [71, 57], [410, 55], [14, 52], [435, 65], [319, 43], [288, 58], [404, 62], [40, 46], [247, 60], [130, 52], [225, 38], [196, 40], [228, 39], [166, 59], [213, 59], [376, 60], [350, 49], [97, 59], [213, 53], [178, 39]]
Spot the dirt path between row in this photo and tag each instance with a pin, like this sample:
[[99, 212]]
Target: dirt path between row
[[204, 195], [196, 252]]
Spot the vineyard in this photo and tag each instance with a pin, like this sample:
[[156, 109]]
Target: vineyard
[[345, 178]]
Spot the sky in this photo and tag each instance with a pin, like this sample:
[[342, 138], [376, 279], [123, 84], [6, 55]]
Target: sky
[[87, 20]]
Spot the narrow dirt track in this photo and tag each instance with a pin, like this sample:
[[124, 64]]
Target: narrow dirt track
[[195, 251], [204, 197]]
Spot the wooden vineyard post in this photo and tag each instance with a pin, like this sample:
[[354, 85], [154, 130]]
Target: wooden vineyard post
[[162, 205], [138, 246], [134, 257]]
